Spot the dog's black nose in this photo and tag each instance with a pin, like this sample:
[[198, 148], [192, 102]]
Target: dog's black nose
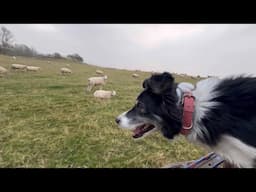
[[118, 120]]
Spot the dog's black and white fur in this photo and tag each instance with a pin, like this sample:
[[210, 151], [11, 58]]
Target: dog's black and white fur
[[224, 119]]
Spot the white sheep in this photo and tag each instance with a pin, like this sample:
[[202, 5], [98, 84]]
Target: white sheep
[[183, 75], [99, 72], [65, 70], [154, 73], [19, 67], [33, 68], [135, 75], [2, 70], [102, 94], [93, 81], [13, 57]]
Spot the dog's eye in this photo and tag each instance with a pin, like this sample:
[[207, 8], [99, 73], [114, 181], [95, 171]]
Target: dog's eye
[[139, 104], [140, 107]]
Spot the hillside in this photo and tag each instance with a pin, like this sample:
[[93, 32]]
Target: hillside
[[48, 120]]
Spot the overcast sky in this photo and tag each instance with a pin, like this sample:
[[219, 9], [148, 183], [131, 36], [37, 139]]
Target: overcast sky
[[197, 49]]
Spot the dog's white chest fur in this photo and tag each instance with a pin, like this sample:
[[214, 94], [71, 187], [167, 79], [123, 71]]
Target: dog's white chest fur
[[235, 151]]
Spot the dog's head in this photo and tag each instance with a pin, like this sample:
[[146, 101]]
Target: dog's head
[[155, 109]]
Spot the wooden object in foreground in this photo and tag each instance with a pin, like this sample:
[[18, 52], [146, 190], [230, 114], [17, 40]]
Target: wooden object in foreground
[[211, 160]]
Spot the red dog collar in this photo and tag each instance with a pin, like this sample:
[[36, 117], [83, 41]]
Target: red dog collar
[[188, 110]]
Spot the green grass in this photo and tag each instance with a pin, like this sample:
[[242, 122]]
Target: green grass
[[48, 120]]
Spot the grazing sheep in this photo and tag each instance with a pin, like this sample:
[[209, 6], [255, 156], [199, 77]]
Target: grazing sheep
[[184, 75], [33, 68], [2, 71], [48, 61], [19, 67], [65, 70], [93, 81], [13, 57], [99, 72], [102, 94], [135, 75]]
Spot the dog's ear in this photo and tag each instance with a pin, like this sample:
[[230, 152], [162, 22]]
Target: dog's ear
[[145, 84], [159, 83]]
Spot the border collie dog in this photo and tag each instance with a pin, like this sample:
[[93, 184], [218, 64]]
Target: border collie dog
[[223, 120]]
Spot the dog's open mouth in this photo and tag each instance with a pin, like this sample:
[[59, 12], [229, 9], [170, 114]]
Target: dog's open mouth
[[141, 130]]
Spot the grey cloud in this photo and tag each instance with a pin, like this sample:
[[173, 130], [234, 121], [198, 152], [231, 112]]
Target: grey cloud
[[218, 50]]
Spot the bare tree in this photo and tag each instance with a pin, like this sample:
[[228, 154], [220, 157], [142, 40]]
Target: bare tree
[[24, 50], [75, 57], [6, 37], [57, 55]]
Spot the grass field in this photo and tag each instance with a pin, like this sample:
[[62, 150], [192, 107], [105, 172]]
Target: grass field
[[48, 120]]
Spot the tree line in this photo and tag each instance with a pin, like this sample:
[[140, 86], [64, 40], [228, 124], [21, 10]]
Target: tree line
[[7, 47]]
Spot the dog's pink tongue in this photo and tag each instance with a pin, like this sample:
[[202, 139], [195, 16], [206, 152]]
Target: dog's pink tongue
[[137, 131]]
